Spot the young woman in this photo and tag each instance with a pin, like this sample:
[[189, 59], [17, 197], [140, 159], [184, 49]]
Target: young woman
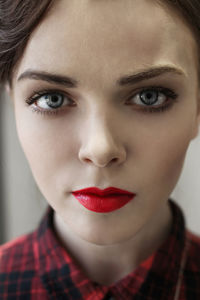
[[106, 99]]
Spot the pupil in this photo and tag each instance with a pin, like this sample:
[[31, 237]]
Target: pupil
[[54, 98], [149, 95]]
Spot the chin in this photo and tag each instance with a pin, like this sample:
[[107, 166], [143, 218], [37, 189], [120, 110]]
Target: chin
[[104, 238]]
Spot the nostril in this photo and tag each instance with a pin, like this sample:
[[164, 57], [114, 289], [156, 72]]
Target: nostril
[[88, 160], [114, 159]]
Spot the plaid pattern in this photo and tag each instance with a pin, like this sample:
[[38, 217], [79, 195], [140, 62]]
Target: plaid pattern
[[36, 266]]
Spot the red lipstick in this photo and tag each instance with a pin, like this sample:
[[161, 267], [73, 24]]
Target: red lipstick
[[103, 201]]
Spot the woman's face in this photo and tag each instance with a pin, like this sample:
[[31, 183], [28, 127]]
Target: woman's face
[[104, 130]]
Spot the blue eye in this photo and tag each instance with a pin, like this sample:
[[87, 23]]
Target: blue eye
[[150, 97], [153, 99], [50, 101]]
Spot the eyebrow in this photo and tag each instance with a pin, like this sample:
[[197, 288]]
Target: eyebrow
[[123, 81], [148, 74], [49, 77]]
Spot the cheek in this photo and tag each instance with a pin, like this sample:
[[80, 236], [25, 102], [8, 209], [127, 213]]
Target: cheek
[[171, 161], [164, 158], [49, 148]]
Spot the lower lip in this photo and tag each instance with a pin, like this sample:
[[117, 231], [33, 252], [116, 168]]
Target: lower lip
[[103, 204]]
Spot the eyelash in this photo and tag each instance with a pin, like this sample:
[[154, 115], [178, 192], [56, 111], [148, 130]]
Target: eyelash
[[170, 94], [37, 95]]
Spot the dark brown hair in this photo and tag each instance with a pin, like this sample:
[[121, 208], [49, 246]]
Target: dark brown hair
[[18, 18]]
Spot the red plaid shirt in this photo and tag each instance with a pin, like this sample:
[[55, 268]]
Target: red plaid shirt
[[36, 266]]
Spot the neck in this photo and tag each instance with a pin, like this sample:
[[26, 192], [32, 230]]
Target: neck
[[108, 264]]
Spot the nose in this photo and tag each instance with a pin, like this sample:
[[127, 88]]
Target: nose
[[100, 146]]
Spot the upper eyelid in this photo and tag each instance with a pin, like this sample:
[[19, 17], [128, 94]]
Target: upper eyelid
[[37, 94], [160, 89]]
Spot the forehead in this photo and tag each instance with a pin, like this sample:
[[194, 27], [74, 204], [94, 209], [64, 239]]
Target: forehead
[[104, 38]]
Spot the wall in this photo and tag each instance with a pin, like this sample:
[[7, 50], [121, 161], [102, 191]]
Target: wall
[[22, 202]]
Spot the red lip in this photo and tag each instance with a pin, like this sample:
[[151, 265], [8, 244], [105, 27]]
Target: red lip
[[103, 201]]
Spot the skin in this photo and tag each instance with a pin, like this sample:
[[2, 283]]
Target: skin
[[101, 141]]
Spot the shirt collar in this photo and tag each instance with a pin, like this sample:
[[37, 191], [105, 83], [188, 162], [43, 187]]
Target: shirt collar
[[61, 275]]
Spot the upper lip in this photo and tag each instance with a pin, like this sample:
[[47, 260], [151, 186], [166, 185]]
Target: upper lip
[[106, 192]]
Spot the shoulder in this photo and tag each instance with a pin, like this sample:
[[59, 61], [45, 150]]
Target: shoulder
[[18, 255], [194, 251], [191, 271], [18, 269]]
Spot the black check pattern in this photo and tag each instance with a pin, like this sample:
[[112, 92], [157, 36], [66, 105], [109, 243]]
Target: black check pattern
[[37, 267]]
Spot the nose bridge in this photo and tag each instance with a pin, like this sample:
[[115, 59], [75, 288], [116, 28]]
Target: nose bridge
[[100, 143]]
